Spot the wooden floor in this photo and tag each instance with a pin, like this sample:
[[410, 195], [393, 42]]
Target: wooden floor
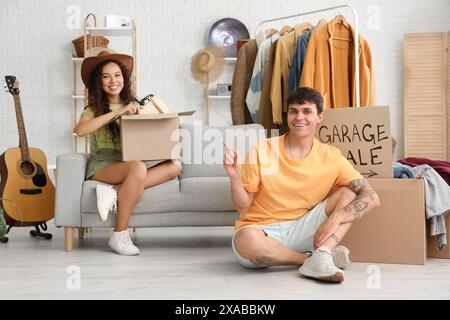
[[188, 263]]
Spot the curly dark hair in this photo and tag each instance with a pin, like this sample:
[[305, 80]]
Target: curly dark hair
[[98, 100], [306, 94]]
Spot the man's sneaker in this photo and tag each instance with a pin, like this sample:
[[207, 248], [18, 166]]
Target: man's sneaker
[[341, 257], [319, 265], [106, 200], [122, 244]]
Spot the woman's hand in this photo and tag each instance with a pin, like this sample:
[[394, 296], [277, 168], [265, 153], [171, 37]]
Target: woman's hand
[[132, 108]]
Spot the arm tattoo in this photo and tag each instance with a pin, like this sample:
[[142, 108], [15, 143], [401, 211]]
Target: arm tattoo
[[364, 195], [360, 205], [335, 238]]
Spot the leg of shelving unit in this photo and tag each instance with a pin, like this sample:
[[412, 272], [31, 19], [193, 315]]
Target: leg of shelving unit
[[134, 53], [74, 106]]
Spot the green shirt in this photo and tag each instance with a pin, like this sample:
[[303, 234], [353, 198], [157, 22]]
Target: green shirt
[[104, 150]]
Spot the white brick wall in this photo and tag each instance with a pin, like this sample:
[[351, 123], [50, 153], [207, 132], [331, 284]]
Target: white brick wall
[[36, 47]]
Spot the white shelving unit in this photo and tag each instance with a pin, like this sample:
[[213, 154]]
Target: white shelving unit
[[81, 95], [219, 97], [77, 96], [215, 96], [111, 32]]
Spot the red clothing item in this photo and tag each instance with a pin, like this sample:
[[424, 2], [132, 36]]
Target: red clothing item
[[442, 167]]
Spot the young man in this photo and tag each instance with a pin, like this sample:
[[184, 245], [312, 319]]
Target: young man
[[297, 197]]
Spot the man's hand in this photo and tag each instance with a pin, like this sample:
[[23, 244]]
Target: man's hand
[[231, 162], [325, 231]]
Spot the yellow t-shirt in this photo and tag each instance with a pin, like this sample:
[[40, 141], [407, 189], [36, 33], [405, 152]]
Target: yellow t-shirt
[[286, 189]]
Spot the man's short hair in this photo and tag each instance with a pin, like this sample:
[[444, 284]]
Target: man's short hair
[[305, 94]]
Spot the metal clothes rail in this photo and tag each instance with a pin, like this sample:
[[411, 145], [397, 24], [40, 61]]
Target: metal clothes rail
[[356, 46]]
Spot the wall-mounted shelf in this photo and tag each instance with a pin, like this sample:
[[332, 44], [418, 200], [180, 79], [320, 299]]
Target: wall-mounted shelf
[[219, 97], [215, 96], [110, 32]]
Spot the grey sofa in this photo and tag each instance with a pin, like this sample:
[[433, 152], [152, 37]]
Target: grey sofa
[[200, 196]]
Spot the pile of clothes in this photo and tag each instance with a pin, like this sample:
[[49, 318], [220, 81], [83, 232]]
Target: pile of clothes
[[436, 175]]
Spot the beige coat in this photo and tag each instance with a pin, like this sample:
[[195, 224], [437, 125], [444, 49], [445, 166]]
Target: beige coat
[[241, 81], [330, 66], [265, 105]]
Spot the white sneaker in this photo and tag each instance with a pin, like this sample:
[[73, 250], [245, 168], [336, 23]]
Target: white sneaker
[[106, 200], [319, 265], [341, 257], [122, 244]]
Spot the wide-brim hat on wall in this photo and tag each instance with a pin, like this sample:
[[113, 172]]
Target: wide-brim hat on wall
[[97, 55], [207, 64]]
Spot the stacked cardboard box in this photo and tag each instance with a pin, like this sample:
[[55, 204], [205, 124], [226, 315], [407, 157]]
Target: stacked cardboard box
[[395, 231]]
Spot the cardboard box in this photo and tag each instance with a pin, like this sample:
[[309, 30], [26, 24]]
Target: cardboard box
[[151, 136], [364, 137], [395, 231], [432, 243]]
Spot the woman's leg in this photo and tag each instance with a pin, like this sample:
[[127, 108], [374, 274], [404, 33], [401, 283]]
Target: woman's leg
[[128, 179], [162, 172]]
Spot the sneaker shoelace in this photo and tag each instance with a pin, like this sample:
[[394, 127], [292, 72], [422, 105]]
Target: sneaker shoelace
[[126, 240], [330, 266], [113, 206]]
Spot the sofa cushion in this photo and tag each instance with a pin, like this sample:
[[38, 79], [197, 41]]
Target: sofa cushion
[[205, 194], [202, 146], [160, 198], [166, 219]]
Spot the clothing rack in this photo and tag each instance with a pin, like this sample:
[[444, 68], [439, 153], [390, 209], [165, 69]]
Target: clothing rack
[[355, 18]]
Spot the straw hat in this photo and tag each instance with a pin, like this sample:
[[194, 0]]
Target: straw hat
[[207, 64], [97, 55]]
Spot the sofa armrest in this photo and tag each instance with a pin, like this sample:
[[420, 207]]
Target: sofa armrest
[[70, 175]]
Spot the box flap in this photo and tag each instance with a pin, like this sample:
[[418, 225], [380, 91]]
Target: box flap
[[186, 113], [150, 116]]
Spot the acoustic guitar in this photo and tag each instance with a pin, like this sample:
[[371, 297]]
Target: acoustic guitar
[[27, 194]]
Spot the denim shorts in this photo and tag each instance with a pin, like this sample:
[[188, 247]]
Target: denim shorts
[[297, 234]]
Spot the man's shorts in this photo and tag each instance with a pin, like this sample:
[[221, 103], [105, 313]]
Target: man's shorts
[[297, 235]]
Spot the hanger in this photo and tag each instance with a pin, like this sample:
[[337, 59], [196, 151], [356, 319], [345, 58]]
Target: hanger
[[270, 32], [341, 20], [306, 26], [285, 30], [321, 22], [303, 26]]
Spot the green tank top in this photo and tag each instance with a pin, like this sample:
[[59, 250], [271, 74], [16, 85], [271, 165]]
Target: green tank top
[[104, 150]]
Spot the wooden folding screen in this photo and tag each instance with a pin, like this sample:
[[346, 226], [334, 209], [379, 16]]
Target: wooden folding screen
[[427, 95]]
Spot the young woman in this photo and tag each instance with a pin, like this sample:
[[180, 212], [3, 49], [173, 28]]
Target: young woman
[[107, 77]]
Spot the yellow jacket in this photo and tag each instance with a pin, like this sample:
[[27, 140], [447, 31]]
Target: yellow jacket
[[283, 58], [330, 66]]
